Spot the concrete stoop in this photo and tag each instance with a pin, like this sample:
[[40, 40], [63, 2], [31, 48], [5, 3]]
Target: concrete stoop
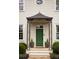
[[39, 51], [39, 54]]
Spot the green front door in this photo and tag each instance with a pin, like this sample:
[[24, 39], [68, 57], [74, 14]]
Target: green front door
[[39, 37]]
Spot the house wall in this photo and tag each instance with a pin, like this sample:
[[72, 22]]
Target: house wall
[[48, 8]]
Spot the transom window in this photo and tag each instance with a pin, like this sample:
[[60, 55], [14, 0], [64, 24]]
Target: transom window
[[57, 31], [57, 4], [39, 27], [21, 5], [20, 31]]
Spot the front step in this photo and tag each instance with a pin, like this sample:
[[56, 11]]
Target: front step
[[39, 53]]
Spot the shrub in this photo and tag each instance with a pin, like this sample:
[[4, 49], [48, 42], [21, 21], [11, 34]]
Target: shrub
[[22, 48], [24, 45], [54, 56], [56, 48], [51, 55]]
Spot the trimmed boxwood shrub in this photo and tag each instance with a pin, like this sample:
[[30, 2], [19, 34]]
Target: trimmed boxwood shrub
[[56, 48], [54, 56], [22, 48], [24, 45], [22, 51]]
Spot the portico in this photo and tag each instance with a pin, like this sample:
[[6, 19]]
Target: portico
[[39, 30]]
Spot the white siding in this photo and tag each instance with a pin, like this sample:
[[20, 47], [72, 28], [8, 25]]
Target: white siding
[[48, 8]]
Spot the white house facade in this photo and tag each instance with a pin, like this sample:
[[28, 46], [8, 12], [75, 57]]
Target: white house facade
[[38, 22]]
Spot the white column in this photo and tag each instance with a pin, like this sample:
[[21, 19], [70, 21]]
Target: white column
[[28, 35], [50, 35]]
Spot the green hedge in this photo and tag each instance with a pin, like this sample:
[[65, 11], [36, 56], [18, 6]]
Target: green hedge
[[54, 56], [24, 45], [56, 48], [22, 48]]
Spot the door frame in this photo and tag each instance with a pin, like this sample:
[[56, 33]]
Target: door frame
[[39, 27]]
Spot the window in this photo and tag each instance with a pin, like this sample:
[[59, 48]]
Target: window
[[39, 2], [20, 31], [57, 4], [57, 31], [20, 5]]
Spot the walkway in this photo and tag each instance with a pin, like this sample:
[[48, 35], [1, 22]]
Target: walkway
[[39, 57]]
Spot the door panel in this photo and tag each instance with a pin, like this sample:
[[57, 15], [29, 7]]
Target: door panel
[[39, 37]]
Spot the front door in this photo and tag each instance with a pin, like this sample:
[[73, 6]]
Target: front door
[[39, 37]]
